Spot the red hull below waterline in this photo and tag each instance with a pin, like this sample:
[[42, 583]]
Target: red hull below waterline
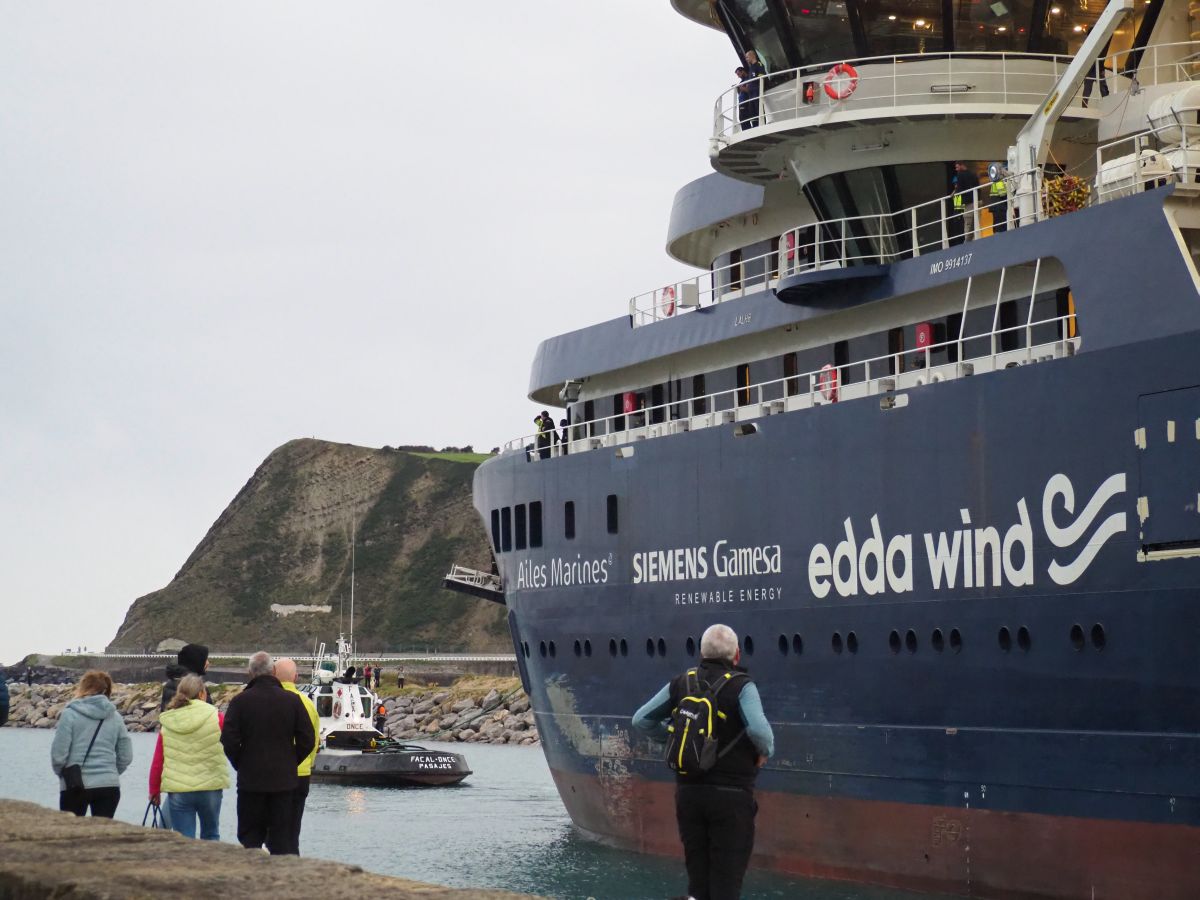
[[960, 851]]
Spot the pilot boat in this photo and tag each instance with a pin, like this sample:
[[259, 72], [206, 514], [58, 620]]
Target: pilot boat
[[352, 750]]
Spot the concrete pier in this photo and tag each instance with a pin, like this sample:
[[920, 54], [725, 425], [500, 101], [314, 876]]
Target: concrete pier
[[47, 854]]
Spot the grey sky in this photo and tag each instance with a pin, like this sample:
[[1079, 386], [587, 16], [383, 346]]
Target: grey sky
[[226, 225]]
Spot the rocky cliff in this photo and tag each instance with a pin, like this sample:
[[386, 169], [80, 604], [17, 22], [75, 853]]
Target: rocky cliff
[[274, 570]]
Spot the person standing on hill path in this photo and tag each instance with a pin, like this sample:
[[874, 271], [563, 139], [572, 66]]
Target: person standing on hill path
[[267, 735], [714, 791], [285, 671]]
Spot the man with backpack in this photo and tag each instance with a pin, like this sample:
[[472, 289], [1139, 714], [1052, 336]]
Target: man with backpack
[[717, 737]]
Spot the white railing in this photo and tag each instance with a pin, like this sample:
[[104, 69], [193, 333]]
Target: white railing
[[940, 79], [879, 375], [840, 243], [475, 578]]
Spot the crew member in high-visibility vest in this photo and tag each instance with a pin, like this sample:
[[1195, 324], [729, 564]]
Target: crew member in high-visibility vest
[[963, 185], [998, 203]]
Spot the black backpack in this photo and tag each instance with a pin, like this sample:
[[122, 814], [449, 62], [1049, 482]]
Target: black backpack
[[692, 740]]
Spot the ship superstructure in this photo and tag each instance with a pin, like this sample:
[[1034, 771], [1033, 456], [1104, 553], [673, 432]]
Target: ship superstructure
[[933, 451]]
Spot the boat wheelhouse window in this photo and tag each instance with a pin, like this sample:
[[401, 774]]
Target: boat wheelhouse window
[[519, 509], [569, 520], [612, 513], [734, 272], [324, 704], [743, 383], [496, 530], [699, 404], [535, 523], [506, 529], [656, 404]]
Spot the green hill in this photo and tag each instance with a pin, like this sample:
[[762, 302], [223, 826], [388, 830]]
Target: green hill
[[284, 542]]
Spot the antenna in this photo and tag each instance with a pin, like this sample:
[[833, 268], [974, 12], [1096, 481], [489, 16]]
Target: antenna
[[353, 533]]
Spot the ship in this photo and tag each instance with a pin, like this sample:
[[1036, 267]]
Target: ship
[[925, 435]]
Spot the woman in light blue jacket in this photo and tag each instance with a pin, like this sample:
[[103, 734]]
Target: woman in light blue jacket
[[91, 734]]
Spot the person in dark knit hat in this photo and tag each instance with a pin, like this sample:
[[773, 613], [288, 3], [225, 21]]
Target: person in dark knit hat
[[193, 660]]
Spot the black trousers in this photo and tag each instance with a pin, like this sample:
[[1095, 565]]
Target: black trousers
[[103, 801], [716, 826], [265, 817], [299, 798], [748, 113]]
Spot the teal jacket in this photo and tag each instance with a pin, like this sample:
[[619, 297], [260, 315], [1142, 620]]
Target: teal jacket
[[111, 754]]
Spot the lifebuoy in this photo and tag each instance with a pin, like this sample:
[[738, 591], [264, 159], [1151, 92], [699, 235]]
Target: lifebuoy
[[790, 241], [337, 709], [841, 81], [668, 301], [827, 382]]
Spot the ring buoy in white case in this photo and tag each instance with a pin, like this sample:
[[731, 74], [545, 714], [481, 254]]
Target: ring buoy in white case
[[337, 709], [841, 81], [827, 383], [668, 301]]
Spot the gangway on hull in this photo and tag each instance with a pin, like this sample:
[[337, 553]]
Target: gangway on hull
[[484, 585]]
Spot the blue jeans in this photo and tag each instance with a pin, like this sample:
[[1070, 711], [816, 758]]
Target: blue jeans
[[186, 807]]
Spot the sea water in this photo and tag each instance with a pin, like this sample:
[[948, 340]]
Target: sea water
[[504, 827]]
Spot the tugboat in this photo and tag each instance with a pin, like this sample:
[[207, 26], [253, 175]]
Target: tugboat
[[353, 750]]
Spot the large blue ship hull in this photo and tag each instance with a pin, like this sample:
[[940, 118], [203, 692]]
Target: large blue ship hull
[[979, 682]]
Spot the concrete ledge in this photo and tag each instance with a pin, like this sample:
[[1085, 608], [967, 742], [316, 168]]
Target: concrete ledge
[[47, 854]]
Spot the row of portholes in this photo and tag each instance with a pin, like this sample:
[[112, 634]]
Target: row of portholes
[[910, 642]]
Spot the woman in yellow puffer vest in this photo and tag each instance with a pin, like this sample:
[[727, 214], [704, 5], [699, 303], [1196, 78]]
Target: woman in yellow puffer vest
[[189, 762]]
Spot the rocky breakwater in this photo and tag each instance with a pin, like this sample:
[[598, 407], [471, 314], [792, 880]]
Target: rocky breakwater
[[471, 711], [40, 706]]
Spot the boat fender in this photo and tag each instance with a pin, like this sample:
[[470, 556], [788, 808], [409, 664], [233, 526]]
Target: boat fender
[[841, 81], [827, 382]]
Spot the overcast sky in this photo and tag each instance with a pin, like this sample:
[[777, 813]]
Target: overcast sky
[[227, 225]]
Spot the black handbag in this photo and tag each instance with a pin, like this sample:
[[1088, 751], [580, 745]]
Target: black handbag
[[73, 775], [156, 820]]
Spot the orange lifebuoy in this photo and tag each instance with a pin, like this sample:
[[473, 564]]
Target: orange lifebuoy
[[841, 81], [668, 301], [827, 382]]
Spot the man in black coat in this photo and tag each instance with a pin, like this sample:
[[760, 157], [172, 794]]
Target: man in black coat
[[193, 659], [267, 735]]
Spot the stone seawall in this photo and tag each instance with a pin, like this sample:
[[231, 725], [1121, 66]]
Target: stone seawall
[[473, 710], [46, 854]]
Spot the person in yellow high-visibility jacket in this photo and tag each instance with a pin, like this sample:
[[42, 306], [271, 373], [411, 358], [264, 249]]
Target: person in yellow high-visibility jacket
[[998, 204], [963, 184], [285, 671]]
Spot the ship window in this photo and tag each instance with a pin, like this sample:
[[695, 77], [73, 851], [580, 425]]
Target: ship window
[[836, 642], [496, 530], [662, 647], [774, 258], [569, 520], [587, 647], [1004, 638], [748, 645], [691, 646], [895, 350], [841, 361], [910, 641], [852, 642], [612, 514], [624, 647], [790, 372], [699, 403], [649, 646], [938, 640], [618, 422], [1023, 639], [1010, 336], [520, 525], [324, 704], [797, 644], [589, 416], [955, 640], [535, 523], [1098, 638], [743, 382], [506, 529], [656, 404], [953, 330], [894, 641], [735, 269], [1077, 636]]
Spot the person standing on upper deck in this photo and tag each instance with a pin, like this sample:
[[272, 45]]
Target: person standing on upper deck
[[749, 90], [963, 186]]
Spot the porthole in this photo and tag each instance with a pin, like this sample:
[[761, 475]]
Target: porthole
[[649, 646], [1098, 637], [662, 647], [691, 646], [837, 642], [1004, 638], [624, 648], [910, 641], [797, 644], [955, 640], [852, 642], [894, 641], [1077, 640], [937, 640], [587, 648], [578, 648], [525, 647], [542, 648], [783, 645], [748, 645], [612, 646], [1024, 641], [552, 650]]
